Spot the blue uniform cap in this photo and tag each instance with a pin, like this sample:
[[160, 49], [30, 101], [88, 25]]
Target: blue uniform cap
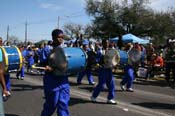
[[85, 42]]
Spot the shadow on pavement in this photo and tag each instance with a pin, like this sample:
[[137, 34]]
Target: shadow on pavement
[[74, 101], [156, 105], [91, 89], [24, 87], [160, 83], [73, 84], [11, 115]]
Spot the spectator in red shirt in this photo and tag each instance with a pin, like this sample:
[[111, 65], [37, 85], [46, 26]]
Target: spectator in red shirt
[[156, 63]]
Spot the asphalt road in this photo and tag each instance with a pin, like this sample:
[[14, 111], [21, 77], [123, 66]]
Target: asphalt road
[[150, 98]]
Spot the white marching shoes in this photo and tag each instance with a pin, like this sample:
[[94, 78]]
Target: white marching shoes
[[111, 101], [130, 89], [122, 87]]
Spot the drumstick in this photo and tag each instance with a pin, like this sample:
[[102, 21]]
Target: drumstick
[[38, 67]]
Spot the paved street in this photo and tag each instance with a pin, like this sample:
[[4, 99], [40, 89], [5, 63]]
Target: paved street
[[150, 98]]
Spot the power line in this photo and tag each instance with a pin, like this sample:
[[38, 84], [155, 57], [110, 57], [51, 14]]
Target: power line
[[59, 18], [73, 15], [43, 21]]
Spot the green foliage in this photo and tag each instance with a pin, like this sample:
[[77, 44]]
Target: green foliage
[[105, 18], [111, 18]]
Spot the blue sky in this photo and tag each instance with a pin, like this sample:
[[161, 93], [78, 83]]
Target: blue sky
[[42, 16]]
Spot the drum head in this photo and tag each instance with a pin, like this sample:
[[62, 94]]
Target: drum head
[[12, 58], [111, 58], [57, 60], [134, 56]]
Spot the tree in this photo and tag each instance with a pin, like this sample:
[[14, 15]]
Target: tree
[[134, 15], [13, 40], [163, 27], [73, 30], [105, 13], [89, 31], [111, 18]]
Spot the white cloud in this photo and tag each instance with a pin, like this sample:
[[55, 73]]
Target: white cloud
[[50, 6], [162, 4]]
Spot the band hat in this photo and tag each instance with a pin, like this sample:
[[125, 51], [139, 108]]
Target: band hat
[[85, 42]]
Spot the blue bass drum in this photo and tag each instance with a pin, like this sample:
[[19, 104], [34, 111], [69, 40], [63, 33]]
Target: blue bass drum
[[76, 59], [12, 58], [123, 57], [67, 61]]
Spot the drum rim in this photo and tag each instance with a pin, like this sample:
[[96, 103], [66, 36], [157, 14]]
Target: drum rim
[[5, 58]]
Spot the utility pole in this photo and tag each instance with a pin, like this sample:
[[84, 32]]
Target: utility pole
[[26, 33], [7, 33], [58, 22]]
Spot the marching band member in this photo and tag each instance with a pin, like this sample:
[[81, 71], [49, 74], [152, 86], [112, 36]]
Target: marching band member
[[30, 59], [20, 73], [128, 78], [56, 88], [134, 56], [6, 76], [120, 43], [170, 60], [3, 88], [2, 76], [105, 76], [45, 51], [8, 82], [88, 70]]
